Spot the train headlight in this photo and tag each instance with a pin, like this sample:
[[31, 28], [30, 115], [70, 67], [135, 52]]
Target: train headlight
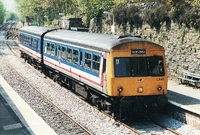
[[120, 89], [140, 90], [159, 88]]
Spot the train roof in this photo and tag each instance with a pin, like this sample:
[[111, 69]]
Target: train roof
[[35, 30], [102, 42]]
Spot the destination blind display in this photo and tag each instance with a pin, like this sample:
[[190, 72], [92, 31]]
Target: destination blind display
[[138, 51]]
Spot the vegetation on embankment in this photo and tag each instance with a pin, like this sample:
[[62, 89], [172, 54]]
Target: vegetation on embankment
[[133, 12]]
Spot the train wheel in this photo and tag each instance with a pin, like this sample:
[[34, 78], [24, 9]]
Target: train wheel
[[59, 80], [46, 72], [116, 115], [119, 114], [54, 77], [96, 102], [69, 85], [123, 115], [99, 105]]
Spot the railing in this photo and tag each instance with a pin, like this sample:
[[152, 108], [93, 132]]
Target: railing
[[189, 78]]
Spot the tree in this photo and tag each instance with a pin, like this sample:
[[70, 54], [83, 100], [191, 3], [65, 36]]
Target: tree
[[2, 12], [89, 9], [37, 9], [86, 9], [196, 2], [123, 10], [13, 16]]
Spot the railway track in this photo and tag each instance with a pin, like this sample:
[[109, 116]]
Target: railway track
[[10, 29], [160, 124], [167, 128], [72, 124], [82, 129], [87, 121]]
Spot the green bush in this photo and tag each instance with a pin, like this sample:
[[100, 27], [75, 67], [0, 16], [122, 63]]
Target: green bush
[[120, 14], [134, 17], [157, 14], [128, 13]]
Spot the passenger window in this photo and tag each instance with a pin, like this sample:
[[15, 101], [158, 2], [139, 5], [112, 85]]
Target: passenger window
[[48, 48], [29, 41], [21, 38], [58, 52], [87, 60], [52, 49], [63, 54], [34, 43], [75, 57], [96, 63], [25, 39], [69, 54], [55, 50]]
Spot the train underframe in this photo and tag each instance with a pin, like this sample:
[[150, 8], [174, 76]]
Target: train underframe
[[119, 107]]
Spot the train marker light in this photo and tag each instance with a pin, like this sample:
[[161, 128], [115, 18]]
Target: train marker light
[[159, 88], [120, 89], [140, 90]]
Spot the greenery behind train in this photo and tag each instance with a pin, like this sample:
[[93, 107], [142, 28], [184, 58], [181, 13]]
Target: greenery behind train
[[126, 12]]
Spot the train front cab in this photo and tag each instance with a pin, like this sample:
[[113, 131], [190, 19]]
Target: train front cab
[[137, 75]]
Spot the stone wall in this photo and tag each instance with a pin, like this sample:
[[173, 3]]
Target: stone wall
[[182, 45]]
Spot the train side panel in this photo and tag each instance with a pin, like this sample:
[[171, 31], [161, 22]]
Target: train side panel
[[74, 63], [30, 45]]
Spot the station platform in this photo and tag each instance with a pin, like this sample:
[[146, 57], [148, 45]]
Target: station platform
[[17, 117], [184, 96]]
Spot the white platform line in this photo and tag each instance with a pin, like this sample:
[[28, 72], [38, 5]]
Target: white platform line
[[12, 126], [185, 107]]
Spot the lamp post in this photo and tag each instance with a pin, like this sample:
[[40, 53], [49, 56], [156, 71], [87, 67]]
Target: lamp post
[[61, 14], [47, 20], [60, 22], [113, 25]]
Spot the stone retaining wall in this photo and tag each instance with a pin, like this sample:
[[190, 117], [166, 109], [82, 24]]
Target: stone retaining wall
[[182, 45]]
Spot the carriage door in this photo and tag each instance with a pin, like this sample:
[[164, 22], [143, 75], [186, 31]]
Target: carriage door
[[36, 47], [104, 74]]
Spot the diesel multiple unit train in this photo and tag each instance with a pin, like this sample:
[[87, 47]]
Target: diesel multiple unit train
[[118, 74]]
